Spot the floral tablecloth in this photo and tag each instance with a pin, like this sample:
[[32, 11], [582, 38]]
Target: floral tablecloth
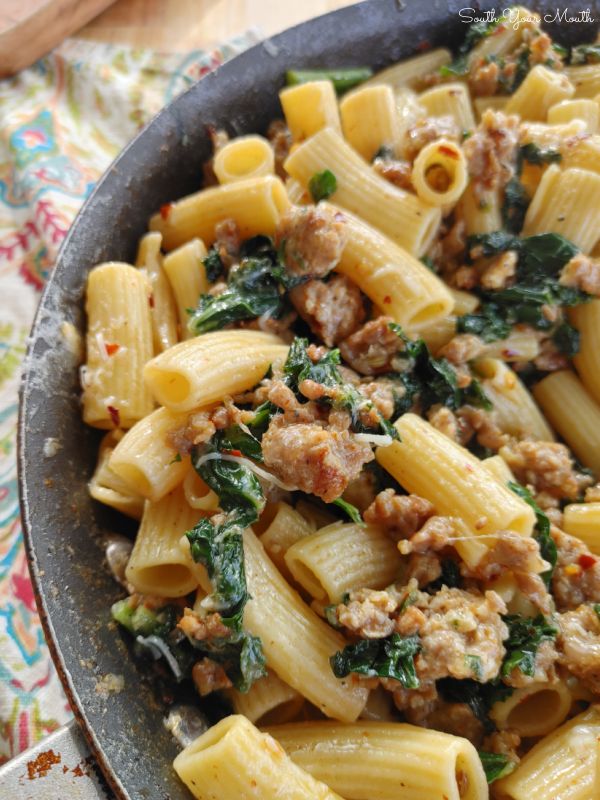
[[62, 121]]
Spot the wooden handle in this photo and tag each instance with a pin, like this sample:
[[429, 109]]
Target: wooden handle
[[30, 28]]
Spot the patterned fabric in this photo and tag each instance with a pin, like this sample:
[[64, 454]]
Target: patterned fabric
[[62, 121]]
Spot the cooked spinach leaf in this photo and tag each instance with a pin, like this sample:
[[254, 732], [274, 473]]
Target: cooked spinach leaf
[[487, 323], [491, 244], [480, 697], [525, 636], [349, 509], [435, 378], [596, 608], [322, 185], [238, 442], [450, 577], [534, 154], [514, 208], [252, 290], [541, 532], [299, 367], [384, 658], [567, 339], [213, 265], [343, 78], [237, 486], [495, 765]]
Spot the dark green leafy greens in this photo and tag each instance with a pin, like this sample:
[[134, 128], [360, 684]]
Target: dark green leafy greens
[[495, 765], [343, 78], [525, 636], [540, 261], [299, 367], [536, 155], [516, 199], [322, 185], [541, 532], [219, 547], [213, 265], [143, 621], [384, 658], [434, 379], [349, 509], [480, 697]]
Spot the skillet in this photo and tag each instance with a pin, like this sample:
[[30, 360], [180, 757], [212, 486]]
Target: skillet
[[63, 527]]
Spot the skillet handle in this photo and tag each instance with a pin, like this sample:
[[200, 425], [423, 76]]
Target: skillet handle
[[58, 767]]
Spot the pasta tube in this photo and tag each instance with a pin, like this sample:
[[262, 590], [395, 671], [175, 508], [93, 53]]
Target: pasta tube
[[107, 487], [374, 759], [516, 410], [562, 765], [285, 529], [585, 78], [584, 108], [566, 202], [534, 710], [541, 89], [119, 343], [256, 205], [233, 760], [400, 215], [574, 413], [185, 270], [158, 564], [450, 99], [439, 173], [286, 626], [583, 521], [145, 460], [370, 119], [242, 158], [162, 304], [370, 560], [411, 71], [310, 107], [395, 281], [428, 463], [270, 701], [206, 368], [586, 319]]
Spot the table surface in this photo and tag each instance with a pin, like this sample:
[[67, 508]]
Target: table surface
[[180, 25]]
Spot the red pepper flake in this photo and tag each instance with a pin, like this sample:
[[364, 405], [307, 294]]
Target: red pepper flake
[[165, 210], [508, 353], [114, 415], [387, 299], [42, 764], [112, 348], [586, 561], [422, 47], [151, 300], [233, 452], [448, 151]]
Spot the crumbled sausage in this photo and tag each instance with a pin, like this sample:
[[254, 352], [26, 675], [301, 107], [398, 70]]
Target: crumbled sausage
[[312, 239], [576, 577], [462, 348], [281, 140], [444, 420], [394, 171], [361, 491], [370, 349], [491, 152], [333, 309], [582, 272], [550, 359], [227, 241], [209, 627], [284, 398], [483, 78], [592, 494], [547, 466], [399, 515], [202, 425], [428, 130], [504, 743], [368, 613], [383, 394], [462, 636], [208, 676], [454, 718], [415, 704], [315, 460], [501, 271], [424, 568], [579, 642], [436, 534]]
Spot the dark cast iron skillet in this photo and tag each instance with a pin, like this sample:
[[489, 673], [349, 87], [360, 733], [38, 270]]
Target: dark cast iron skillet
[[63, 526]]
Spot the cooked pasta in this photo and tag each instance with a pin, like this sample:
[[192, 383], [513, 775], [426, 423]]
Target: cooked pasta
[[355, 408]]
